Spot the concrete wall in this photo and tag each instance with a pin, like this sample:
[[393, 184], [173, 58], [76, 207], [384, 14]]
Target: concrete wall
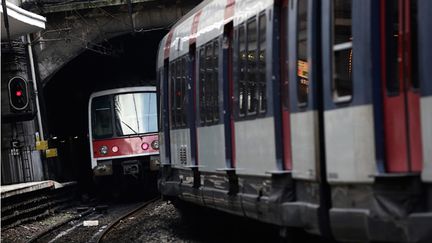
[[23, 164]]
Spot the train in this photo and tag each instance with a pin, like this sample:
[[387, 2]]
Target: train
[[124, 143], [307, 114]]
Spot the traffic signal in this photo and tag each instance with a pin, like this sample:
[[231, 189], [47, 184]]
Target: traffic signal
[[18, 94]]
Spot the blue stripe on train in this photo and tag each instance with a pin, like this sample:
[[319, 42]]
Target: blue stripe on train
[[425, 44], [377, 89]]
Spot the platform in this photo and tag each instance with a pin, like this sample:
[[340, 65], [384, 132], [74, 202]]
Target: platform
[[21, 188]]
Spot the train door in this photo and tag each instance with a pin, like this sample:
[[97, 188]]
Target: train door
[[164, 113], [179, 130], [424, 23], [401, 93], [253, 87], [348, 109], [164, 104], [191, 89], [306, 112], [228, 94], [303, 102], [191, 84]]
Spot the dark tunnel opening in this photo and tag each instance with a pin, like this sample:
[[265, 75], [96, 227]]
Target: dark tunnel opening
[[66, 95]]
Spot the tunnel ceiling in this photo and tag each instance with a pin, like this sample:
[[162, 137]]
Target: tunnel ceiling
[[132, 60]]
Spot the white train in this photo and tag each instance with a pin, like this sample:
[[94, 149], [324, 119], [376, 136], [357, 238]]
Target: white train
[[314, 114], [123, 133]]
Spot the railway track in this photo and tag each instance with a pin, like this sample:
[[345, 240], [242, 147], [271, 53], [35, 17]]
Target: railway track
[[119, 219], [103, 220]]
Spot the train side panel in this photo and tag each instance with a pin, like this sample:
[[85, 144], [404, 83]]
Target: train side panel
[[211, 148], [345, 131], [180, 148], [426, 120], [304, 144], [425, 63], [255, 154]]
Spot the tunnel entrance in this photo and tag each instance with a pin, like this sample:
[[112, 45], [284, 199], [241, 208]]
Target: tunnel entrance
[[131, 60]]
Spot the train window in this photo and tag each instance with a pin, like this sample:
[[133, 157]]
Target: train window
[[215, 82], [251, 84], [202, 94], [242, 71], [135, 113], [208, 82], [179, 94], [262, 97], [209, 101], [302, 64], [101, 117], [173, 94], [342, 50], [184, 85]]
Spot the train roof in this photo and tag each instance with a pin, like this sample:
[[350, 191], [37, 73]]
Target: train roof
[[123, 90], [211, 18]]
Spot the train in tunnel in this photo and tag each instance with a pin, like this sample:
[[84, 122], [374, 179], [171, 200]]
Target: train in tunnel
[[309, 114], [123, 133]]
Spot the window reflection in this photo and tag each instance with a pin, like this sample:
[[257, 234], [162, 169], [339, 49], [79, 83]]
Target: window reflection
[[302, 64], [342, 50], [101, 117], [135, 113]]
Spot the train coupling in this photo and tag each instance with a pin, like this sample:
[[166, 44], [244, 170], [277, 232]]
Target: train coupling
[[131, 167]]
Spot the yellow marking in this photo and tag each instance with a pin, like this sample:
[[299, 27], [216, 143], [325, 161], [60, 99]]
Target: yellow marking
[[52, 152], [41, 145]]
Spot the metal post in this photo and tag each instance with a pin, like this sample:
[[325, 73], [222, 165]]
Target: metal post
[[38, 113], [6, 22], [33, 75]]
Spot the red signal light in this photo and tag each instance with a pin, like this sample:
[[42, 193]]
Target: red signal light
[[18, 94]]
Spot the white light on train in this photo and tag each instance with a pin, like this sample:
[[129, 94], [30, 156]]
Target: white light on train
[[103, 150], [145, 146], [115, 149], [155, 144]]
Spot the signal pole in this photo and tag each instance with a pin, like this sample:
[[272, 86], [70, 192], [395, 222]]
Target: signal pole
[[33, 76]]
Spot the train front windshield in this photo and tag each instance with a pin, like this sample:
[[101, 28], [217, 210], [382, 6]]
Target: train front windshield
[[124, 115]]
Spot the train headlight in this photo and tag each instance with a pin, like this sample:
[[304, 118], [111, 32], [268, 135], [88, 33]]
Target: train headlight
[[115, 149], [145, 146], [103, 150], [155, 144]]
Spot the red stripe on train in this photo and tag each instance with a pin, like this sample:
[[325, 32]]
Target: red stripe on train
[[168, 44], [194, 28], [126, 146], [229, 9]]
